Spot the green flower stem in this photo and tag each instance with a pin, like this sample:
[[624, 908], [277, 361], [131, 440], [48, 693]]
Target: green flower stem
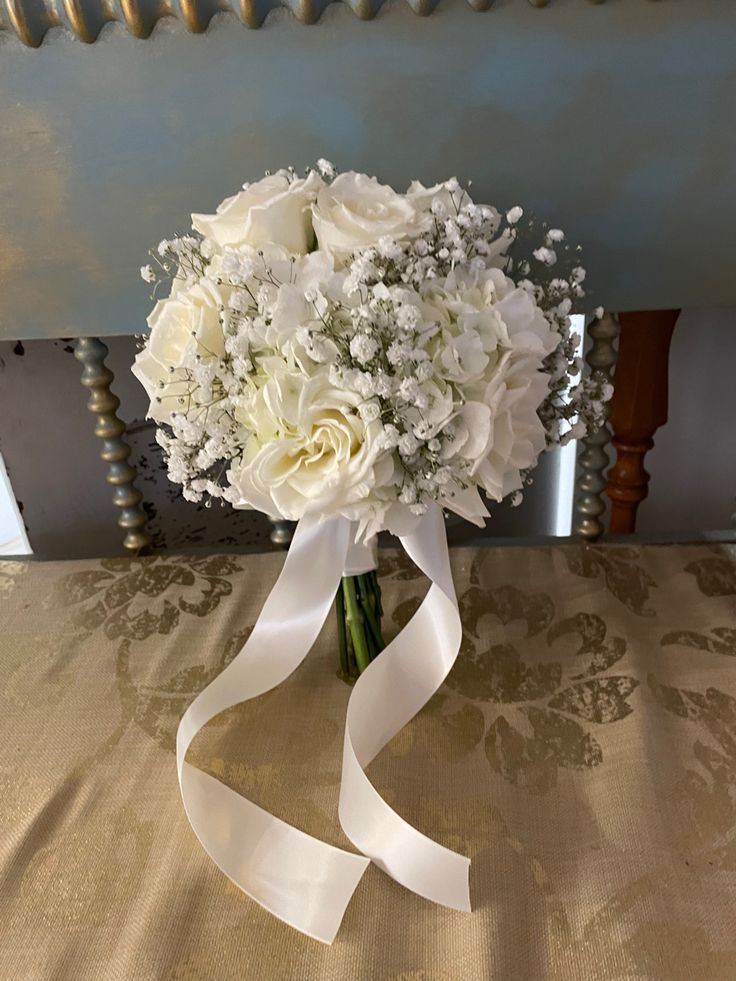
[[371, 611], [342, 633], [371, 580], [377, 594], [356, 623], [358, 609]]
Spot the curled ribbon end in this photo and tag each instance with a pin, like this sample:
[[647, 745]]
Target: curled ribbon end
[[464, 904], [306, 882], [385, 698]]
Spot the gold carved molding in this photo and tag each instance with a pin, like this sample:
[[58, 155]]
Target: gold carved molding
[[32, 19]]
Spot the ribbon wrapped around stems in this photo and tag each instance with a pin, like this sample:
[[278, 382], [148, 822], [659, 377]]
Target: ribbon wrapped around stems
[[304, 881]]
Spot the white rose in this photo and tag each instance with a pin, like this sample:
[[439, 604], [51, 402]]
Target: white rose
[[183, 325], [311, 452], [355, 212], [164, 388], [275, 210]]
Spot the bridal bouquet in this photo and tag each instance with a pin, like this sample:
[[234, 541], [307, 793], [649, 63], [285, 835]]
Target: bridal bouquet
[[339, 354], [330, 346]]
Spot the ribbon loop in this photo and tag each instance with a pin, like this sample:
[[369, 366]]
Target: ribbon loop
[[304, 881], [300, 879], [401, 681]]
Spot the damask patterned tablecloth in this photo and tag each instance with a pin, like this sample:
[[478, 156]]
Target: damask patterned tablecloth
[[582, 753]]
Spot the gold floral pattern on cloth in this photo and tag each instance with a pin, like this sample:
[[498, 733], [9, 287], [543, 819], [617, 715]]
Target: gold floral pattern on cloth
[[582, 752], [10, 571], [625, 576], [135, 598]]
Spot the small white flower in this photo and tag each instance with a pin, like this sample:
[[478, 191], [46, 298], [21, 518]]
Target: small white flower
[[389, 248], [408, 317], [363, 348], [147, 274], [408, 494], [408, 444], [564, 308], [364, 384], [397, 353], [409, 390], [326, 168], [545, 255], [578, 274], [370, 411], [514, 215], [239, 302], [242, 366], [390, 436], [555, 235], [382, 384]]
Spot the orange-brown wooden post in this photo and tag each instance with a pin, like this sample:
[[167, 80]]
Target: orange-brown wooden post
[[638, 408]]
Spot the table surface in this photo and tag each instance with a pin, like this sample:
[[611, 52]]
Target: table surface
[[582, 753], [614, 121]]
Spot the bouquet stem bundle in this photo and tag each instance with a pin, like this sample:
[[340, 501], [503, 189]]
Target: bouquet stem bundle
[[359, 611]]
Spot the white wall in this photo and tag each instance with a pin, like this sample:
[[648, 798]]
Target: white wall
[[13, 540]]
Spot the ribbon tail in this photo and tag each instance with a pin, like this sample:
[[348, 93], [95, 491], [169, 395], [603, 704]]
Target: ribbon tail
[[303, 881], [385, 697]]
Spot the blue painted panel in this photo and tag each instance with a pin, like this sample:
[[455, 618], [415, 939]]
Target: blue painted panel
[[617, 122]]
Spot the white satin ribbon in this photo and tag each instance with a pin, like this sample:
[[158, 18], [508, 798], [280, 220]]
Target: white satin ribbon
[[306, 882], [361, 558], [386, 696], [300, 879]]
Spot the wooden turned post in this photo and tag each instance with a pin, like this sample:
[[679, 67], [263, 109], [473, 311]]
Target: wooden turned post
[[281, 533], [593, 458], [97, 377], [638, 408]]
